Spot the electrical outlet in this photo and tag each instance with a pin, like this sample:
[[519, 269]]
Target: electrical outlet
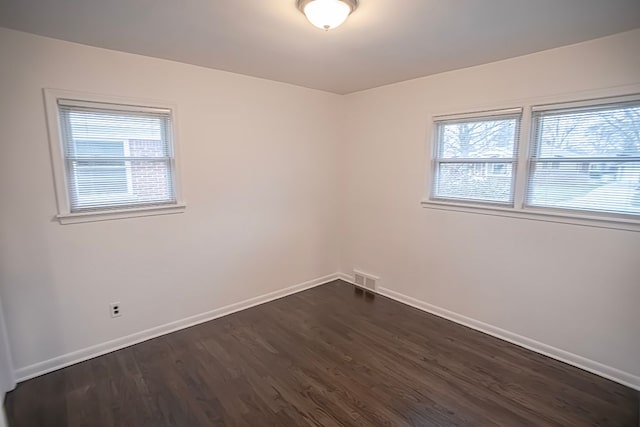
[[116, 309]]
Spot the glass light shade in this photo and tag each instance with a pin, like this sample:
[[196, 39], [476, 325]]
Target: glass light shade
[[327, 14]]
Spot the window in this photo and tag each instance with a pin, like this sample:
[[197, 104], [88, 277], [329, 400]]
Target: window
[[110, 158], [475, 157], [595, 156], [582, 161]]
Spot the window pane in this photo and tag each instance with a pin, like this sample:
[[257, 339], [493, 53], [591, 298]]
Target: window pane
[[99, 148], [599, 132], [475, 181], [151, 180], [478, 139], [147, 148], [590, 186], [99, 177], [121, 183], [110, 125]]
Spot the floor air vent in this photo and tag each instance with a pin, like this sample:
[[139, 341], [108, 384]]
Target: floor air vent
[[365, 281]]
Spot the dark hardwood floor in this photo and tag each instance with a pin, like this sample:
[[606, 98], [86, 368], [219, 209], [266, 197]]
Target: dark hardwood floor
[[323, 357]]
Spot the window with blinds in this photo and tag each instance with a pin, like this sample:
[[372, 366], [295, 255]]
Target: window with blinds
[[475, 157], [580, 161], [586, 158], [116, 156]]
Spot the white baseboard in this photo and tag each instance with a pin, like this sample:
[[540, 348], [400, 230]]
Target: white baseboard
[[68, 359], [624, 378], [346, 278]]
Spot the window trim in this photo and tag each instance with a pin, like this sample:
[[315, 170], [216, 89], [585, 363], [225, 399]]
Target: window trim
[[520, 210], [64, 215]]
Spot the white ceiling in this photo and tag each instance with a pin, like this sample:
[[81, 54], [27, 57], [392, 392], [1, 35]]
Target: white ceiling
[[384, 41]]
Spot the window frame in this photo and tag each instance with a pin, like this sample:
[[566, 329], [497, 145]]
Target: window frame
[[58, 159], [520, 208]]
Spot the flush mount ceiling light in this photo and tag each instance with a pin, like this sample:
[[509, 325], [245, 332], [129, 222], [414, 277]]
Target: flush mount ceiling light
[[327, 14]]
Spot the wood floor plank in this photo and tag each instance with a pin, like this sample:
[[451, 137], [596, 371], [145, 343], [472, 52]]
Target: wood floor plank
[[324, 357]]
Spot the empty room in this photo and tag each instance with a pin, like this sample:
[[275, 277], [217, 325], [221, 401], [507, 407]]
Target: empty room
[[319, 213]]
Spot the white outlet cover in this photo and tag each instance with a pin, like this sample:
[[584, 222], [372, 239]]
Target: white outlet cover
[[115, 309]]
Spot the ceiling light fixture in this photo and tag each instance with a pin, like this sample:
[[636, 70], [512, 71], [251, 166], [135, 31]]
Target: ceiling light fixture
[[327, 14]]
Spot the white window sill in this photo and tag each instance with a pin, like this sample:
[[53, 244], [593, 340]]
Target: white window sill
[[545, 215], [75, 218]]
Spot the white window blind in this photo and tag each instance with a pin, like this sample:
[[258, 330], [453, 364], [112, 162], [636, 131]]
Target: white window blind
[[475, 157], [586, 158], [116, 156]]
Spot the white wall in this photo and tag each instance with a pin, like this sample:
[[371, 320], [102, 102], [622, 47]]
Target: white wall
[[258, 176], [571, 287]]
